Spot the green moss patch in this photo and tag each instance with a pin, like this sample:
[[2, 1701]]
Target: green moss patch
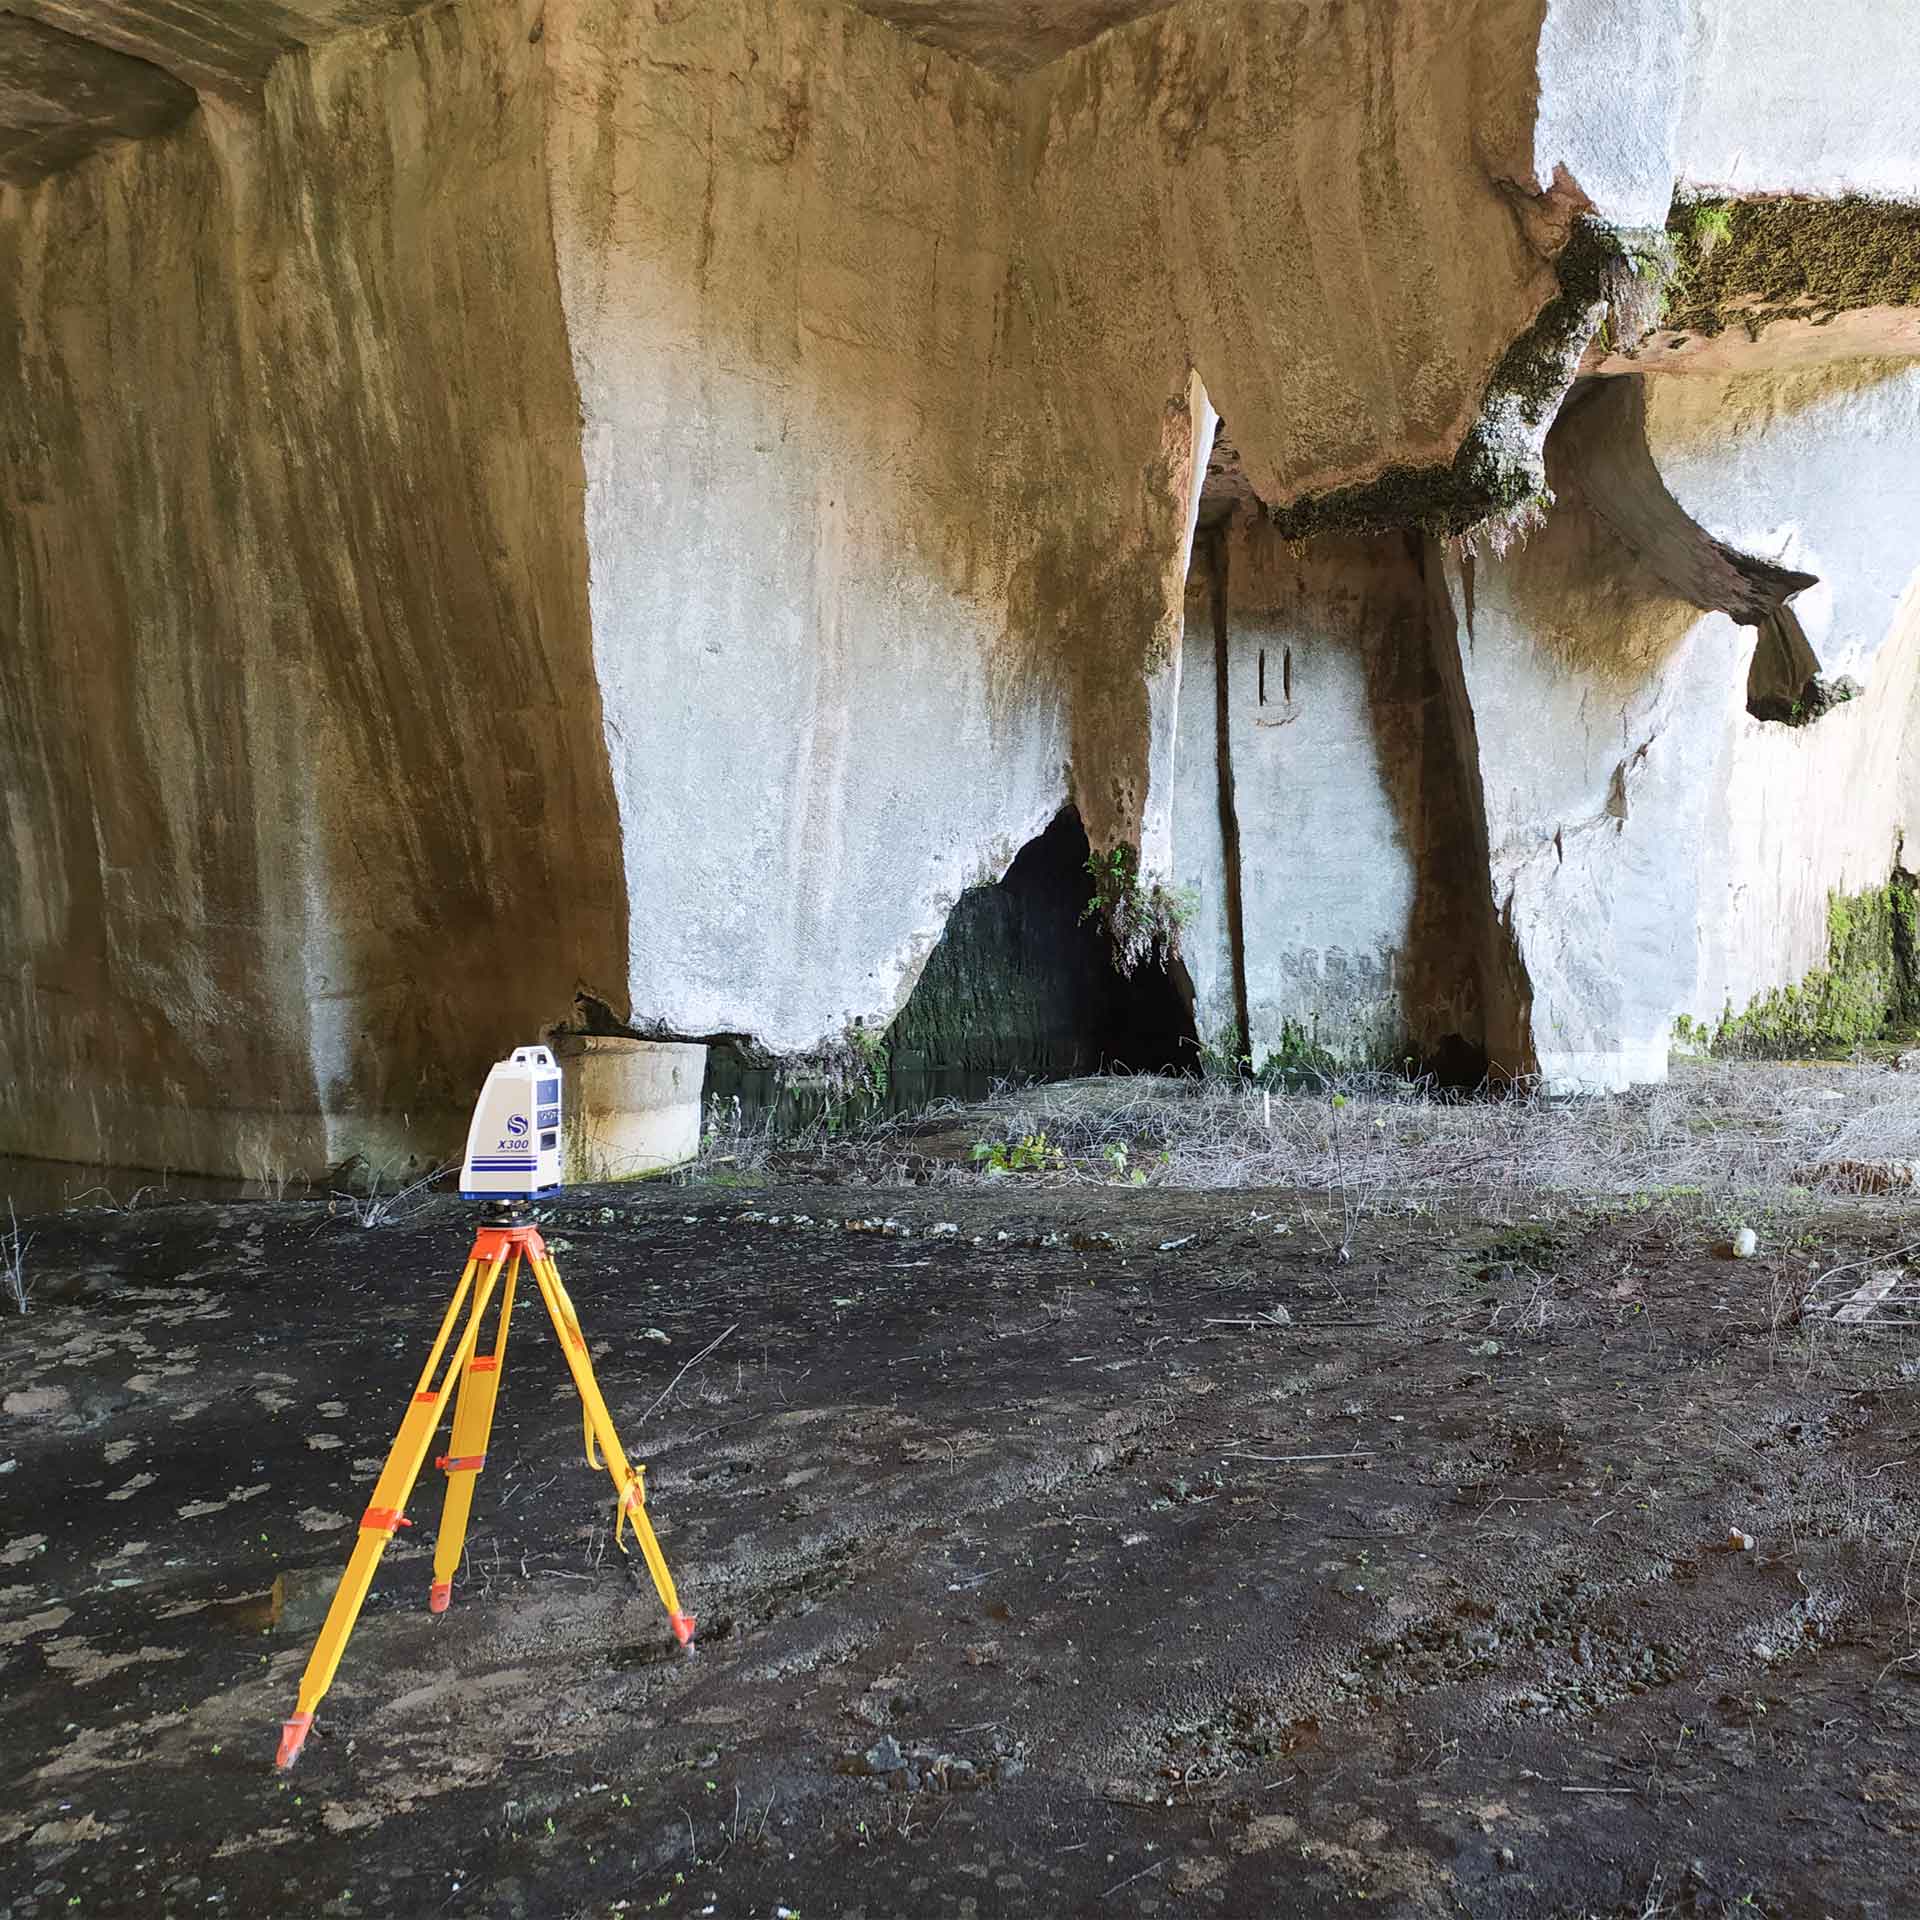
[[1869, 987], [1750, 262], [1299, 1059]]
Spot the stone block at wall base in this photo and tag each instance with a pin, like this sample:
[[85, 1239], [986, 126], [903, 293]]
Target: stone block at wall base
[[632, 1107]]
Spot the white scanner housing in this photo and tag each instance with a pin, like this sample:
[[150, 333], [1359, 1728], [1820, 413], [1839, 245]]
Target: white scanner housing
[[513, 1145]]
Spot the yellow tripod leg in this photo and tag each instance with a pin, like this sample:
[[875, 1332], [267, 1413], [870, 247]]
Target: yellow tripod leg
[[467, 1451], [387, 1512], [629, 1483]]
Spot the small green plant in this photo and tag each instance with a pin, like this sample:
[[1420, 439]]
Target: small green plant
[[722, 1120], [1711, 222], [1031, 1153], [870, 1049], [1298, 1060], [1143, 920], [1867, 987], [1224, 1058]]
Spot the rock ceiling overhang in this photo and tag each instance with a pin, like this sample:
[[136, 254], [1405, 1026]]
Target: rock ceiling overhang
[[1009, 36], [77, 73]]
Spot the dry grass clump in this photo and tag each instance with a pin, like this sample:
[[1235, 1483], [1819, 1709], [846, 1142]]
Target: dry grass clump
[[15, 1288], [379, 1206], [1715, 1125], [735, 1145]]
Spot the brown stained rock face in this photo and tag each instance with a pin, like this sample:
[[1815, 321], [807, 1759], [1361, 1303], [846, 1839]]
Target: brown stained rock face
[[307, 803], [1268, 207]]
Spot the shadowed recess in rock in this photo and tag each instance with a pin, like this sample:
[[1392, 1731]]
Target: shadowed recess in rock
[[1600, 441], [61, 96], [1022, 986], [1023, 983]]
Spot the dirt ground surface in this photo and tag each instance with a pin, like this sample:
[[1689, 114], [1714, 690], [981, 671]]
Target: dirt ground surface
[[1057, 1549]]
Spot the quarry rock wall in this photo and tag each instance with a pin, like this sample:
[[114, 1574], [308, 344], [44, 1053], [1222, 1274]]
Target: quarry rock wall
[[784, 242], [1658, 849], [889, 475], [657, 504], [306, 801], [1341, 929], [1821, 468]]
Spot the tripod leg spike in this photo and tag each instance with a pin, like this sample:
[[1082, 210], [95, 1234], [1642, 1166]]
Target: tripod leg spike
[[633, 1505]]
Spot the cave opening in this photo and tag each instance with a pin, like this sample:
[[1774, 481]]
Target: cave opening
[[1023, 986]]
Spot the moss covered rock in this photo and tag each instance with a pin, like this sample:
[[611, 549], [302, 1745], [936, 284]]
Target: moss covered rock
[[1868, 988], [1750, 262]]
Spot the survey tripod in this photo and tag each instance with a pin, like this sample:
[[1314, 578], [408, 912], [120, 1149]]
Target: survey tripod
[[506, 1241]]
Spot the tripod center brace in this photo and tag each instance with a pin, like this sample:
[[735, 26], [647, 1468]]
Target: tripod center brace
[[493, 1265]]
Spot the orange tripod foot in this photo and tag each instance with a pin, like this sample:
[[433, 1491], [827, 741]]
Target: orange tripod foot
[[683, 1627], [439, 1596], [293, 1736]]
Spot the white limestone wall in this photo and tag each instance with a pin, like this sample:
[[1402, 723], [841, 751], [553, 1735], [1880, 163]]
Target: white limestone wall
[[633, 1107], [1168, 751], [1326, 872], [780, 306], [889, 474], [1783, 97], [1612, 81], [1656, 849], [869, 602], [1821, 470], [1199, 822], [1598, 709], [1351, 865], [1737, 97]]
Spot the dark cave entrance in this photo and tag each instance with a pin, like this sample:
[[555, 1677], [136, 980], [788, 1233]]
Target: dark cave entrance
[[1023, 986], [1020, 987]]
